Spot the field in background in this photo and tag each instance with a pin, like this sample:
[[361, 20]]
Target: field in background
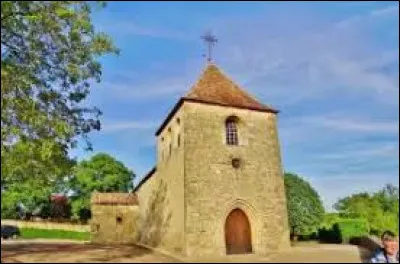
[[32, 233], [47, 225]]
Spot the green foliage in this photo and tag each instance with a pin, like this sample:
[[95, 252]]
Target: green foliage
[[329, 234], [101, 173], [81, 208], [27, 164], [29, 176], [380, 209], [32, 233], [338, 230], [31, 193], [49, 58], [351, 228], [304, 205], [329, 220]]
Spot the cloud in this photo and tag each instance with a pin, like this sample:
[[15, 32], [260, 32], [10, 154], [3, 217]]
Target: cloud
[[383, 151], [334, 187], [333, 130], [137, 91], [108, 126], [376, 13], [393, 9], [130, 28], [328, 58], [352, 125], [313, 60], [158, 82]]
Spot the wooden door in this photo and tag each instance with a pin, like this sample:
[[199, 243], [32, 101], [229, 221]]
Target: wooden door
[[237, 233]]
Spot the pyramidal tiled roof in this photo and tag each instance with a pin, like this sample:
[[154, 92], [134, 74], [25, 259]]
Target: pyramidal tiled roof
[[215, 87]]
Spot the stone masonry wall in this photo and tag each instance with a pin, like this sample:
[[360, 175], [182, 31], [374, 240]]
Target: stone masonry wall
[[161, 197], [105, 229], [213, 187]]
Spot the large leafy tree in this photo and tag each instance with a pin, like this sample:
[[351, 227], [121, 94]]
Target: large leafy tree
[[100, 173], [28, 162], [305, 208], [380, 209], [30, 194], [34, 176], [50, 54], [388, 197]]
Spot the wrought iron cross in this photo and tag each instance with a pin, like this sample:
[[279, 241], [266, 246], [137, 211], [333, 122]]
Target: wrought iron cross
[[210, 39]]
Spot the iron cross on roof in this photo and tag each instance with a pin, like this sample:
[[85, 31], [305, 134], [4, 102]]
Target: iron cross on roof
[[210, 39]]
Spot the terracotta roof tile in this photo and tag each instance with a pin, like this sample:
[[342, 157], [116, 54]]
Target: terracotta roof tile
[[114, 198], [215, 87]]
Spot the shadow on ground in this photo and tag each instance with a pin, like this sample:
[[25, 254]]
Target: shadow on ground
[[28, 252], [83, 253]]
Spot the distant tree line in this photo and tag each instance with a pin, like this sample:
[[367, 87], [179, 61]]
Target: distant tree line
[[356, 215], [68, 198]]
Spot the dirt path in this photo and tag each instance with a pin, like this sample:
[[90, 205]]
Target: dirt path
[[323, 254], [309, 253], [61, 252]]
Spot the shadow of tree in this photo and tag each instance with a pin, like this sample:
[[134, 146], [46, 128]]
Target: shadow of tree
[[33, 248], [83, 253], [119, 252], [156, 220]]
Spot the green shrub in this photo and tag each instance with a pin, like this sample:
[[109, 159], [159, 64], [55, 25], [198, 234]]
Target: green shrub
[[329, 235], [30, 233], [305, 209], [351, 228], [329, 220], [342, 230], [380, 209], [308, 237]]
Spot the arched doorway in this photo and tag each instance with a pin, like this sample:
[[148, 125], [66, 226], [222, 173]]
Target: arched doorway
[[237, 233]]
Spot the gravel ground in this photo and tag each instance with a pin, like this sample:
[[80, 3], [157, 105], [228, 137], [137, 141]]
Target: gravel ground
[[61, 251]]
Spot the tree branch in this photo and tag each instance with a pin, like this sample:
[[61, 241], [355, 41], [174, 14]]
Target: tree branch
[[13, 14]]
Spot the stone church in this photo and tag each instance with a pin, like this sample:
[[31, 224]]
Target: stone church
[[217, 187]]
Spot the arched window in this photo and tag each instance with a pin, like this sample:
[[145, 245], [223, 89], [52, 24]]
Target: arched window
[[231, 131]]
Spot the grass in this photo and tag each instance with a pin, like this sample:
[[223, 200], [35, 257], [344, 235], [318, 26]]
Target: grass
[[30, 233]]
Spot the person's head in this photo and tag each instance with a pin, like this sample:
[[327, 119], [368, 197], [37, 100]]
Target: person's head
[[390, 242]]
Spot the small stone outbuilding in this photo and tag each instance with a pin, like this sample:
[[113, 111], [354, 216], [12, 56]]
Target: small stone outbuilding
[[114, 218]]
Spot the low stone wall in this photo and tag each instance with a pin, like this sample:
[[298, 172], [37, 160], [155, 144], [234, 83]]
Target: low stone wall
[[114, 224], [47, 225]]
